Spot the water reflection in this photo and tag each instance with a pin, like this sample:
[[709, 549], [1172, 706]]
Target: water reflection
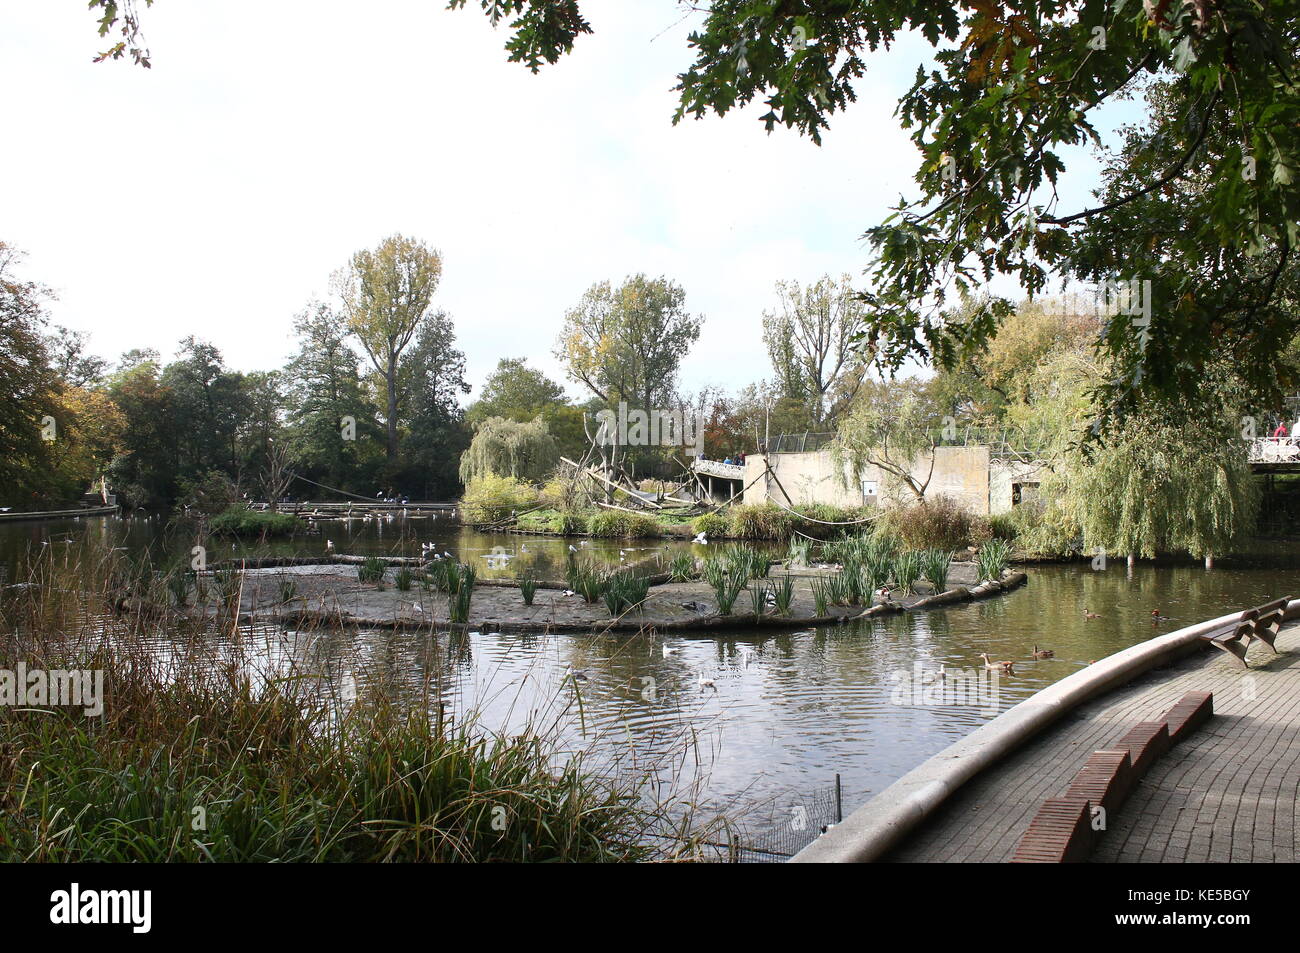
[[786, 711]]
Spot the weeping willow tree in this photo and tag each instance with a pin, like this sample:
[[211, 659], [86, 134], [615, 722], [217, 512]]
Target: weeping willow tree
[[524, 450], [1160, 484]]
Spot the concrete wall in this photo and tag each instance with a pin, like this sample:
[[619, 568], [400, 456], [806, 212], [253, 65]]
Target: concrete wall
[[959, 472], [1003, 478]]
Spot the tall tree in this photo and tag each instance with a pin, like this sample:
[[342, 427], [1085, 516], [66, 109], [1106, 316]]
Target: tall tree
[[519, 392], [385, 292], [334, 421], [433, 379], [28, 383], [812, 342], [1012, 86], [627, 343]]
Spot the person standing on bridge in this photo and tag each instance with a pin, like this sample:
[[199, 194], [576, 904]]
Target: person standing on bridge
[[1281, 430]]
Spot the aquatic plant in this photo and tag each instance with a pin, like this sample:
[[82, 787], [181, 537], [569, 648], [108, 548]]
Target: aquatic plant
[[800, 551], [726, 590], [758, 599], [681, 568], [371, 569], [821, 597], [624, 591], [288, 588], [991, 560], [934, 567], [759, 521], [783, 593], [402, 579], [458, 599], [528, 587], [907, 570]]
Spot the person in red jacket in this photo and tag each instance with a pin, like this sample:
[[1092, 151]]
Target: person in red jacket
[[1280, 431]]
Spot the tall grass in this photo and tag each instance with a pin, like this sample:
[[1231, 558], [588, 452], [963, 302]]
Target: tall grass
[[201, 758], [934, 566]]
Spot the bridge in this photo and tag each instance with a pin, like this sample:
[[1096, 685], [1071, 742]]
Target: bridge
[[1275, 454], [714, 468]]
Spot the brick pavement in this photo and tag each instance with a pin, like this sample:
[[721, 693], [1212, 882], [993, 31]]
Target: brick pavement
[[1230, 793]]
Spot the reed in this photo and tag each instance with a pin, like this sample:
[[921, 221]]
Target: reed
[[783, 593], [934, 567], [992, 559], [371, 570], [528, 587]]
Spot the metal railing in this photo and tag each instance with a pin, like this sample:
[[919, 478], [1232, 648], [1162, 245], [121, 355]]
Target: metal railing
[[1275, 450]]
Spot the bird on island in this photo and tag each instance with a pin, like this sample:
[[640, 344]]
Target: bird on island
[[417, 607], [568, 592], [670, 652], [1088, 614], [995, 666], [701, 539], [693, 606], [572, 548], [1045, 653]]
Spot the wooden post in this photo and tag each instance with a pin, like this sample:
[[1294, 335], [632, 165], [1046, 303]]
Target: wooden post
[[1132, 558], [1209, 560]]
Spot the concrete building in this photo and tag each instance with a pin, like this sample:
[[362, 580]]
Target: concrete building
[[967, 474]]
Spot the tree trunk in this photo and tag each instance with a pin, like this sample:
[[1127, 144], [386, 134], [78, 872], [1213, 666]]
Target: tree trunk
[[391, 382]]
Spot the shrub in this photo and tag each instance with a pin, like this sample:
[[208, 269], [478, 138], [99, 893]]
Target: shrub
[[711, 524], [569, 524], [616, 524], [938, 523], [239, 520], [759, 521], [491, 498]]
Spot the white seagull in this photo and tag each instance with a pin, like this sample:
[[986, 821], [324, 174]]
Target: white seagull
[[701, 540]]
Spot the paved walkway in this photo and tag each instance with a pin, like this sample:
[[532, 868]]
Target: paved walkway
[[1230, 793]]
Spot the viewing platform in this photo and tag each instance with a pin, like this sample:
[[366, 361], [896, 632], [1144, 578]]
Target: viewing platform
[[715, 468], [1225, 794]]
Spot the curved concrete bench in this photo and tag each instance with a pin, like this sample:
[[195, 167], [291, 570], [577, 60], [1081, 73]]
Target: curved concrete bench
[[871, 830]]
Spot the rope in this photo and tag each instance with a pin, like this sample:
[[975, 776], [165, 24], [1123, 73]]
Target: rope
[[335, 489]]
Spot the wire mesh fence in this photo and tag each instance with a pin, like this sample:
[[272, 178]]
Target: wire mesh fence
[[777, 829], [1003, 443]]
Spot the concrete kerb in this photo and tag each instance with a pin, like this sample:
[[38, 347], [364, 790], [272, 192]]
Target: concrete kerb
[[870, 831]]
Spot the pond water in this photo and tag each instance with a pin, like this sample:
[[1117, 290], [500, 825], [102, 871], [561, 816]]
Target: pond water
[[786, 711]]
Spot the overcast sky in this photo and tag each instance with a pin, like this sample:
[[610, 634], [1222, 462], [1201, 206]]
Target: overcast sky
[[215, 193]]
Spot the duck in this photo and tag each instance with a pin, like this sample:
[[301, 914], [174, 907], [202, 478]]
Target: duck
[[1157, 617], [930, 676], [670, 652], [1087, 614], [1044, 653], [996, 666]]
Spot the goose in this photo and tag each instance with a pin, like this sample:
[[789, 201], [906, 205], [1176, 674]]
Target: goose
[[707, 683], [701, 539], [995, 666], [1090, 615], [1045, 653]]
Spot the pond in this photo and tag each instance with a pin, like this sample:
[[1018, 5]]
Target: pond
[[786, 711]]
